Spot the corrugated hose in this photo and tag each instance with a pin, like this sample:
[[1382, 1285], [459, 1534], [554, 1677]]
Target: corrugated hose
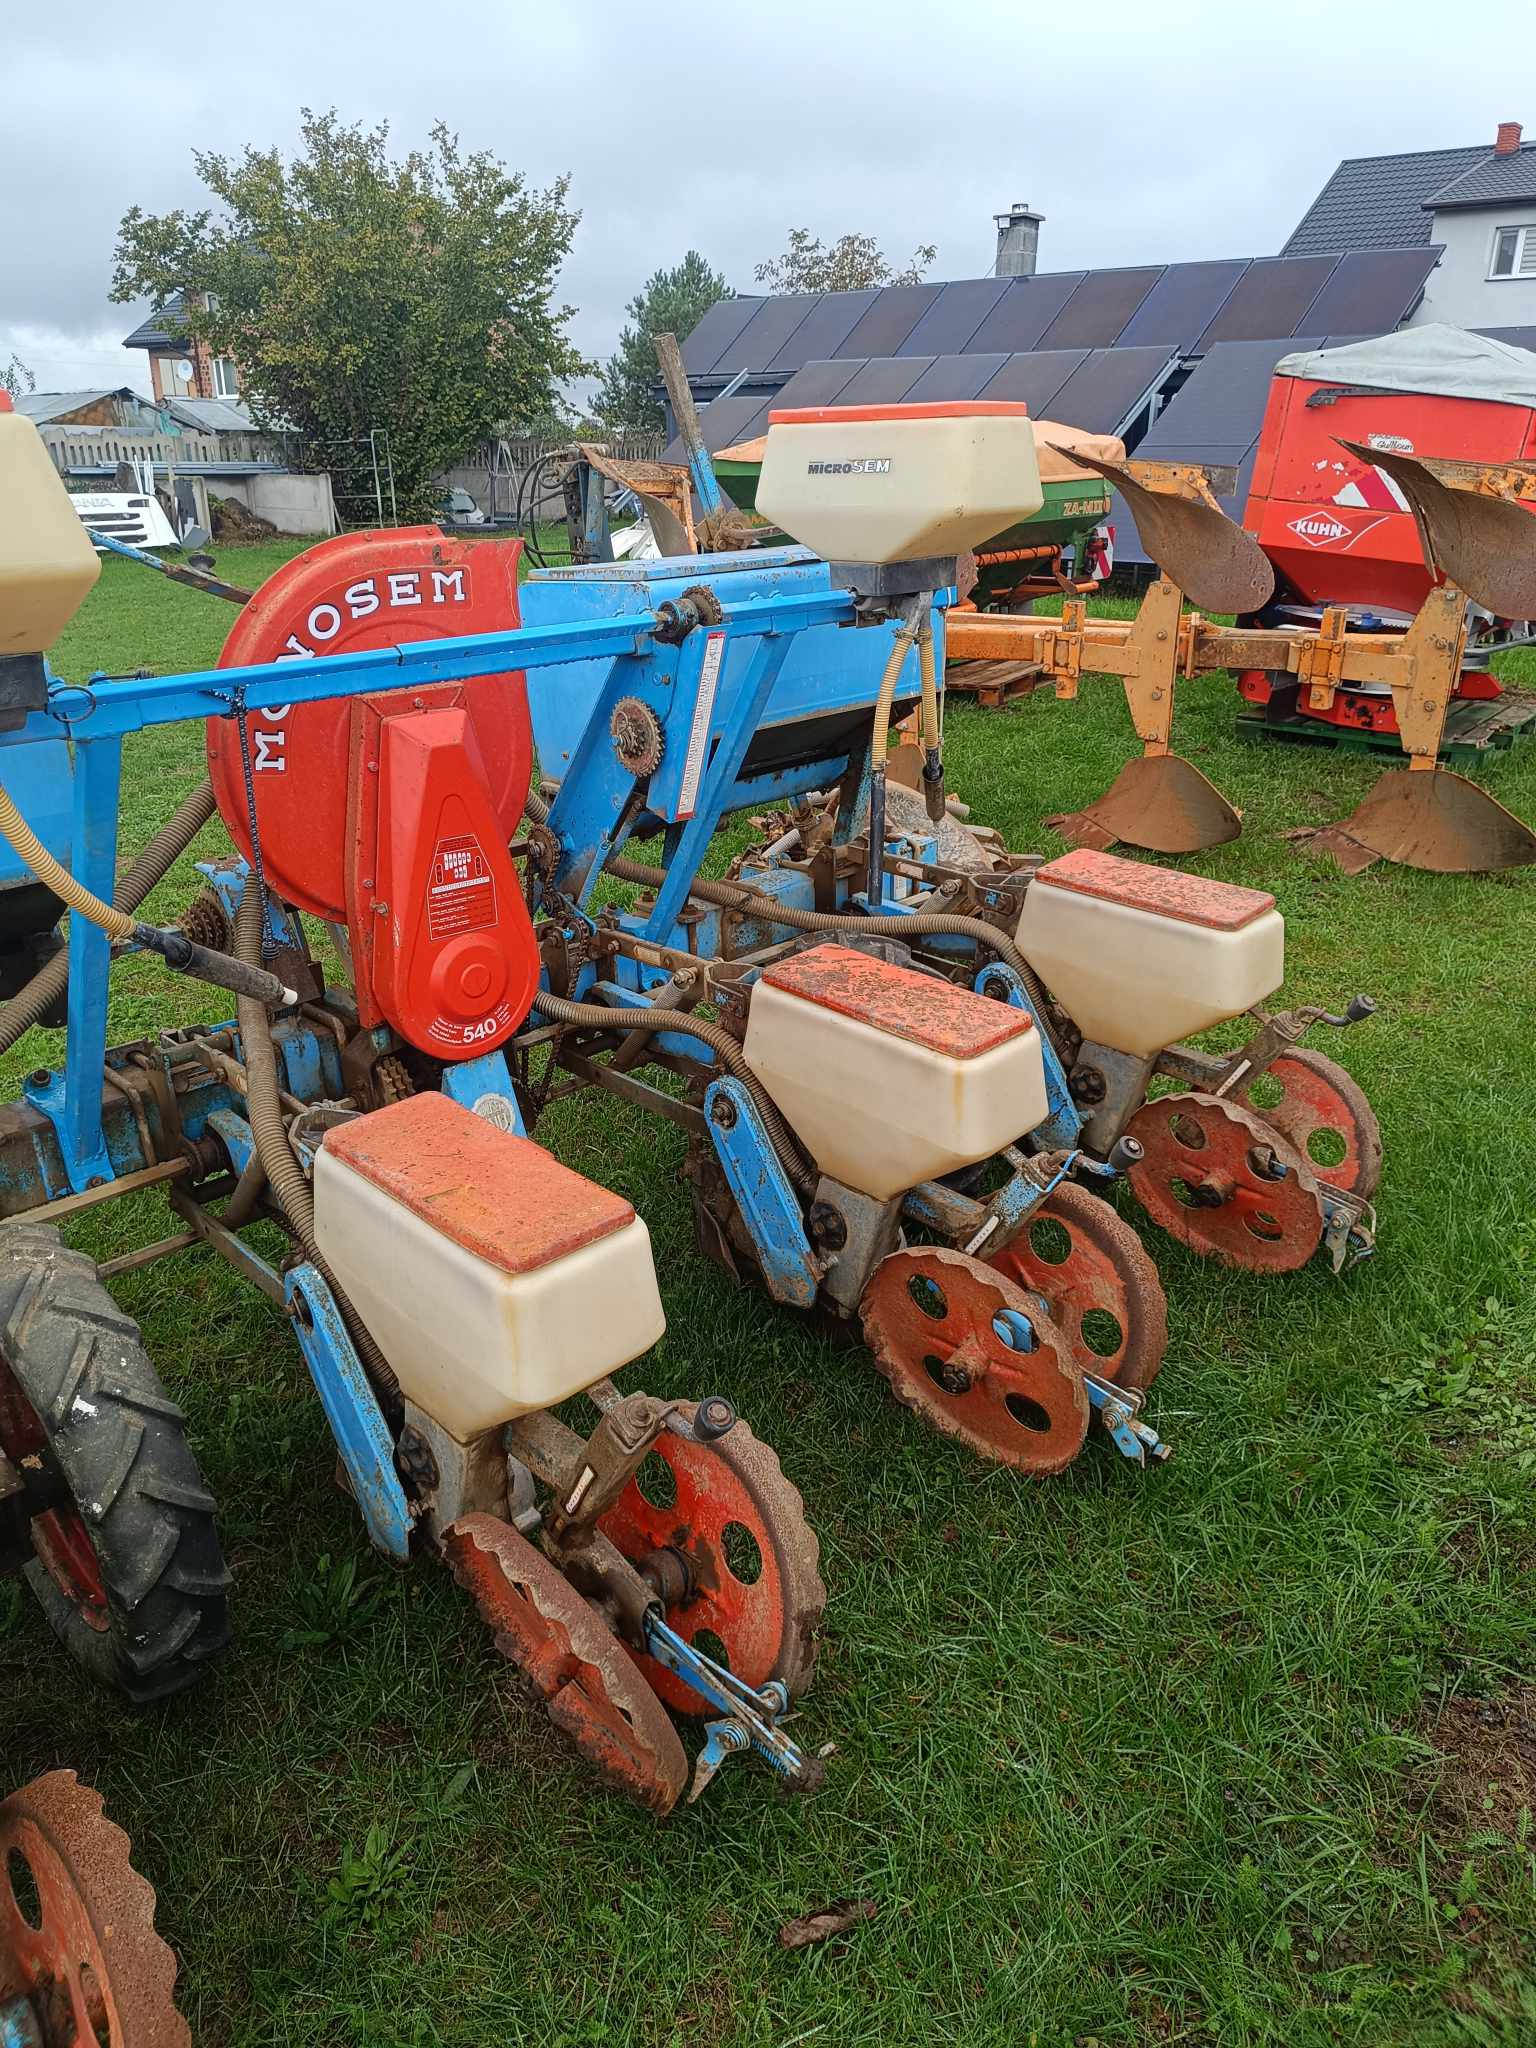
[[604, 1017], [285, 1176], [39, 995]]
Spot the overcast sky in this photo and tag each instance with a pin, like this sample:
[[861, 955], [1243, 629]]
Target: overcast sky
[[1144, 133]]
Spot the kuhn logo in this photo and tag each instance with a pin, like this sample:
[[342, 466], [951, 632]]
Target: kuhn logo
[[1323, 530], [871, 465]]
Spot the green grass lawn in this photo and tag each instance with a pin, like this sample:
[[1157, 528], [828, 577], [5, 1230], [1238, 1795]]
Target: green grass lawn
[[1242, 1752]]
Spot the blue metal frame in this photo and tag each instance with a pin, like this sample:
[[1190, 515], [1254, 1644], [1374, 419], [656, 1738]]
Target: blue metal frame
[[1062, 1124], [770, 1207], [485, 1086], [362, 1435]]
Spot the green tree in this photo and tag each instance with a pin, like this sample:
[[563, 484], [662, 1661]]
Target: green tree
[[17, 379], [672, 302], [852, 263], [358, 292]]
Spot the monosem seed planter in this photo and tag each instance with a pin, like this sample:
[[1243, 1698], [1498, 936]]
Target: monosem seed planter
[[903, 1066]]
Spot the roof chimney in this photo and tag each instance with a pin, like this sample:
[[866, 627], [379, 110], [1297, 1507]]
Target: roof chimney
[[1507, 141], [1018, 236]]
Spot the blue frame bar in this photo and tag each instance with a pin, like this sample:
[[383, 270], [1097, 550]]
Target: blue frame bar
[[123, 704], [75, 1110]]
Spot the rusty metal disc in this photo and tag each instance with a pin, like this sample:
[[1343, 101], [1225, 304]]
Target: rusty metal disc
[[1431, 819], [739, 1526], [1483, 544], [588, 1681], [1325, 1115], [1159, 802], [1217, 564], [1097, 1281], [1208, 1174], [77, 1924], [936, 1320]]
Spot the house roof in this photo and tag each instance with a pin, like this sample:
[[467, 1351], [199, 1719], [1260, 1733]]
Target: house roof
[[1495, 181], [163, 328], [1388, 202], [211, 415], [43, 407]]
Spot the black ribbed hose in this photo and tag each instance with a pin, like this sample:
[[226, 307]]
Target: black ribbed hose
[[285, 1176], [601, 1017], [738, 896]]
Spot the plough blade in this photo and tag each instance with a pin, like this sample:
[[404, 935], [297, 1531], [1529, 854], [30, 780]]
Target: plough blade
[[1217, 564], [1160, 803], [1483, 543], [1435, 820]]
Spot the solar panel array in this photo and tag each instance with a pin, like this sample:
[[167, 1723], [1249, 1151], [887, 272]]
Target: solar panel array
[[1215, 418], [1096, 389], [1187, 307]]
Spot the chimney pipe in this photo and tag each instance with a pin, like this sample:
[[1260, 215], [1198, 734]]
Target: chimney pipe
[[1507, 141], [1018, 238]]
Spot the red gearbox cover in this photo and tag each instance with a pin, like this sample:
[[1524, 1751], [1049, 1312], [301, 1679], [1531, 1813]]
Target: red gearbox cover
[[357, 591], [441, 938]]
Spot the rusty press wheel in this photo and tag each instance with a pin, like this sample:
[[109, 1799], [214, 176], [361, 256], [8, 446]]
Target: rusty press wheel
[[586, 1677], [77, 1925], [1098, 1283], [1324, 1113], [945, 1331], [1225, 1183], [751, 1557]]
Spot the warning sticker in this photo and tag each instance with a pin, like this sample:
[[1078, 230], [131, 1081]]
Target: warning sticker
[[461, 891], [703, 712]]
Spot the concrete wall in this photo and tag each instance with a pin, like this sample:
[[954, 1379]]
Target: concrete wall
[[1459, 290], [294, 504]]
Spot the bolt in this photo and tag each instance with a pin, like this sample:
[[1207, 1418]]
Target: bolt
[[381, 909], [722, 1111], [826, 1226], [713, 1418], [39, 1077]]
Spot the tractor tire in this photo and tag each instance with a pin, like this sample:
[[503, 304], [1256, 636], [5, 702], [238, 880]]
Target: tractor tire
[[137, 1541]]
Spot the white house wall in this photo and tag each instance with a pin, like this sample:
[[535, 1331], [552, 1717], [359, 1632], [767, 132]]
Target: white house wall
[[1459, 290]]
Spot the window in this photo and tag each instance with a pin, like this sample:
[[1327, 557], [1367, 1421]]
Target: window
[[175, 376], [1514, 253], [226, 379]]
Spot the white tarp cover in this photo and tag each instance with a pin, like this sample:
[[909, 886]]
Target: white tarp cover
[[1447, 362]]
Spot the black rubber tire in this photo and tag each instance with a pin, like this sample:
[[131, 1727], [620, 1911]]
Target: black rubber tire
[[121, 1445]]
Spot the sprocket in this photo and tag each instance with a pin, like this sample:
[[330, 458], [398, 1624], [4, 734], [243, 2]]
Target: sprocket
[[206, 922], [391, 1080], [638, 737]]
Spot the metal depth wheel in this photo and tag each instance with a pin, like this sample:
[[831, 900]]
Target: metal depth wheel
[[126, 1561], [1098, 1283], [751, 1556], [77, 1925], [1323, 1112], [588, 1681], [935, 1322], [1225, 1183]]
